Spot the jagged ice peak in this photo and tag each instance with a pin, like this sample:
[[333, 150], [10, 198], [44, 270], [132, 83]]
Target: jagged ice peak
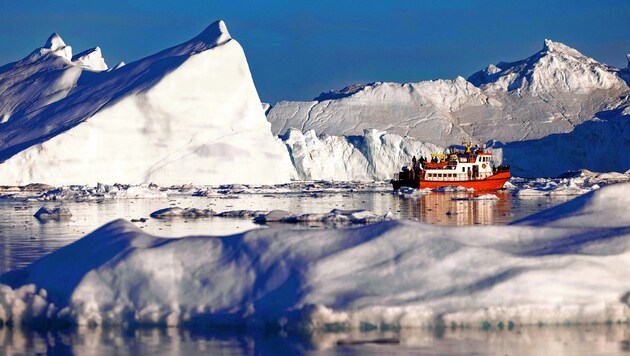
[[215, 34], [90, 59], [557, 47], [57, 46], [54, 42]]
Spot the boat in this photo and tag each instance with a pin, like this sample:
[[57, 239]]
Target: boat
[[471, 168]]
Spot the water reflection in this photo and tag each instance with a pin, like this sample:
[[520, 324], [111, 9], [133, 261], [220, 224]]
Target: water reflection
[[549, 340], [462, 208]]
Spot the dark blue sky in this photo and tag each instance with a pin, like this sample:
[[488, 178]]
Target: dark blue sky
[[297, 49]]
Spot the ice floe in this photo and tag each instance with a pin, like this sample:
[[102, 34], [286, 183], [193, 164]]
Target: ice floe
[[103, 191], [177, 212], [57, 213], [335, 217]]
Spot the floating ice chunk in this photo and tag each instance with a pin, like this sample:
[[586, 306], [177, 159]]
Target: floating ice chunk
[[335, 216], [248, 214], [274, 216], [103, 191], [57, 213], [176, 212], [407, 192]]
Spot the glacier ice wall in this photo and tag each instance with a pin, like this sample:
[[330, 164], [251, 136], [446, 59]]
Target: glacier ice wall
[[375, 155]]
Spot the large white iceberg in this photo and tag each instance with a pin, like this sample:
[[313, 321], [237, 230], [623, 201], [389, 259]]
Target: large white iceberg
[[565, 265], [555, 91], [188, 114]]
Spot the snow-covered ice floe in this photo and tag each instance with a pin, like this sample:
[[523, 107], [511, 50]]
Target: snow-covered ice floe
[[99, 192], [565, 265], [335, 217], [408, 192], [177, 212], [569, 183], [103, 191]]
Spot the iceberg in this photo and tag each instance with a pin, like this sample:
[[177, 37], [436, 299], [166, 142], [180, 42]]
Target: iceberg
[[557, 99], [565, 265], [188, 114]]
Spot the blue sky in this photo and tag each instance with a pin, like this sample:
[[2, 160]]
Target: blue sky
[[297, 49]]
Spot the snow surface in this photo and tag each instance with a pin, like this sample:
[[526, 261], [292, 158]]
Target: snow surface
[[565, 265], [540, 100], [556, 68], [188, 114], [45, 76]]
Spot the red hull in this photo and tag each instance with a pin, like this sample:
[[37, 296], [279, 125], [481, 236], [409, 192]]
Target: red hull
[[494, 182]]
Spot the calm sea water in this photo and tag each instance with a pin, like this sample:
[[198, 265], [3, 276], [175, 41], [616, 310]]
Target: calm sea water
[[24, 239]]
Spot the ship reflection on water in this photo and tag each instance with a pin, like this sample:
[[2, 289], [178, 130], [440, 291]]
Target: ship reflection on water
[[460, 208]]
